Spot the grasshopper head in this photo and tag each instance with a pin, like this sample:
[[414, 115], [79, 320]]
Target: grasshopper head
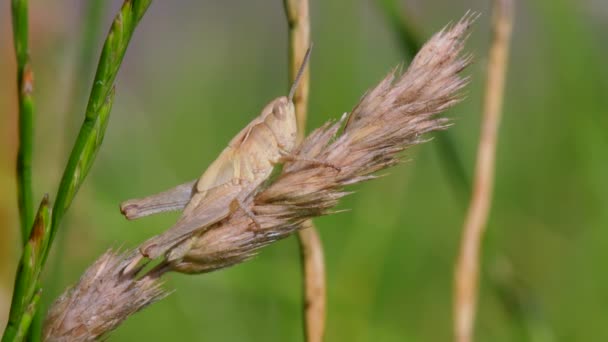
[[282, 123]]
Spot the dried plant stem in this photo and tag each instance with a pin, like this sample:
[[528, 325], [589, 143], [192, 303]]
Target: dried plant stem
[[313, 264], [25, 87], [311, 248], [467, 266], [298, 22]]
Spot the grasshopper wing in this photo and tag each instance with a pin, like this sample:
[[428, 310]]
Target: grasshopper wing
[[211, 201], [212, 209]]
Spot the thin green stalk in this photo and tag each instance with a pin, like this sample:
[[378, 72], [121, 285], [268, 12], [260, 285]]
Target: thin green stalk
[[410, 44], [92, 30], [26, 293], [93, 128], [91, 27], [97, 115], [29, 315], [25, 86], [27, 283]]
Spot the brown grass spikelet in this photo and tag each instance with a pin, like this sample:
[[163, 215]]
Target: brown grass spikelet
[[101, 300], [388, 119]]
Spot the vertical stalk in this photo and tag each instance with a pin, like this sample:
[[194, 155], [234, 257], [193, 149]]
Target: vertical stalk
[[26, 294], [313, 265], [311, 248], [25, 87], [467, 266], [91, 27], [98, 108], [298, 21]]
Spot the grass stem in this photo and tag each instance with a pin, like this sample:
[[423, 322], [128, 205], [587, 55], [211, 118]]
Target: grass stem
[[98, 108], [467, 266], [25, 87], [39, 239], [311, 248], [26, 293]]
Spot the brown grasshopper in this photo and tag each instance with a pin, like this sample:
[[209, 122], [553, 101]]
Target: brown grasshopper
[[238, 171]]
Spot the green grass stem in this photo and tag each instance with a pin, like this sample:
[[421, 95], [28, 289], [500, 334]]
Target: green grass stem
[[26, 293], [25, 86], [98, 108]]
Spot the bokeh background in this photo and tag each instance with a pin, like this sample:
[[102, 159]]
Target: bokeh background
[[197, 71]]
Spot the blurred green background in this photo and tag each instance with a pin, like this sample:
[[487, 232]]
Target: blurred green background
[[197, 71]]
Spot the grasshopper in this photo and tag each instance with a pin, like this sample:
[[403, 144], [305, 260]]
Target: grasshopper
[[236, 174]]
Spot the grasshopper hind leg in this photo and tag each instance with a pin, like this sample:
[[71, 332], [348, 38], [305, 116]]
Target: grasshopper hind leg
[[173, 199]]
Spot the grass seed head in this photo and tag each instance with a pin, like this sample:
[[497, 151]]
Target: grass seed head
[[388, 119]]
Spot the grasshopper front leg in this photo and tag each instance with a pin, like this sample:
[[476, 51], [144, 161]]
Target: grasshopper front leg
[[239, 203], [173, 199]]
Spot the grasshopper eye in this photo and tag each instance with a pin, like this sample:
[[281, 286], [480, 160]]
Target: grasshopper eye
[[280, 109]]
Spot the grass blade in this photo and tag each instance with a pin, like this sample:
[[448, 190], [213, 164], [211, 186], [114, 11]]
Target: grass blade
[[27, 284], [91, 26], [310, 245], [92, 130]]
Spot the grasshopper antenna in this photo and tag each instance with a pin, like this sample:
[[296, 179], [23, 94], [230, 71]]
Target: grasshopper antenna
[[294, 86]]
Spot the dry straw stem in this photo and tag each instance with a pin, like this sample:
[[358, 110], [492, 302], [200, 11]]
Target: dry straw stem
[[298, 22], [313, 282], [467, 265], [311, 247], [102, 299]]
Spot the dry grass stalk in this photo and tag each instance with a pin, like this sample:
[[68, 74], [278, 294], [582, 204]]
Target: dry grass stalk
[[467, 266], [298, 21], [311, 247], [102, 299], [313, 282]]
